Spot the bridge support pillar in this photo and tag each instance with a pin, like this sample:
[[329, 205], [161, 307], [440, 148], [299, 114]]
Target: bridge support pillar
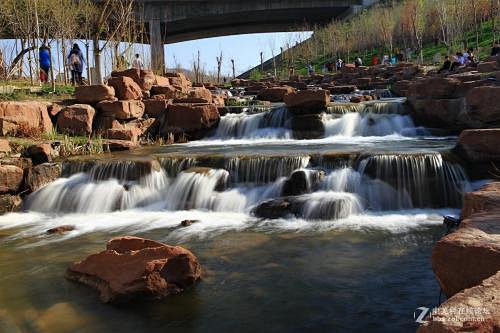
[[157, 47]]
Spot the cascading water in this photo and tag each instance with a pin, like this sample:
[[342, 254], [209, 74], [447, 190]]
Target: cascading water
[[263, 169], [356, 124], [269, 124], [174, 166], [420, 180]]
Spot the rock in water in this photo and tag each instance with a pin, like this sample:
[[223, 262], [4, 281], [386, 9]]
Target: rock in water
[[132, 267]]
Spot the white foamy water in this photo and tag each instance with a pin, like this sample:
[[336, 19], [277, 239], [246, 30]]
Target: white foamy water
[[210, 223]]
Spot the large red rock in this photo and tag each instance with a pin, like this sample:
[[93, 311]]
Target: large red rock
[[307, 101], [125, 88], [4, 147], [275, 94], [435, 87], [76, 119], [476, 309], [179, 81], [133, 267], [201, 93], [154, 107], [119, 145], [130, 134], [487, 198], [40, 153], [190, 117], [145, 79], [168, 92], [11, 178], [18, 116], [487, 67], [124, 110], [10, 203], [484, 105], [42, 175], [102, 123], [94, 94], [471, 254], [477, 145], [437, 113]]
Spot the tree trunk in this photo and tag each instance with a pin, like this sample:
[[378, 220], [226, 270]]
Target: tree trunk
[[52, 79], [97, 61], [65, 72], [87, 52]]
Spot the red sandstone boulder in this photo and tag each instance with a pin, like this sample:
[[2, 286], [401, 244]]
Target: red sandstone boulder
[[473, 310], [484, 105], [339, 90], [487, 198], [76, 119], [40, 153], [130, 134], [4, 147], [469, 255], [179, 81], [168, 92], [119, 145], [42, 175], [154, 107], [275, 94], [18, 116], [145, 79], [125, 88], [10, 203], [94, 94], [436, 113], [131, 109], [487, 67], [132, 267], [190, 117], [435, 87], [201, 93], [161, 81], [61, 229], [11, 178], [479, 145], [102, 123], [307, 101]]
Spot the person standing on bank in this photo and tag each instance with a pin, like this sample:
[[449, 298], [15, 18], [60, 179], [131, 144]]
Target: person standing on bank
[[44, 58], [76, 60], [137, 63]]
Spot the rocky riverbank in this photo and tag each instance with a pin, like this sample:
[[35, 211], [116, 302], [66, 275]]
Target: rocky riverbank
[[467, 266]]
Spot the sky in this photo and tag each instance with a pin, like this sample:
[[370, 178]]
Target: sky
[[244, 49]]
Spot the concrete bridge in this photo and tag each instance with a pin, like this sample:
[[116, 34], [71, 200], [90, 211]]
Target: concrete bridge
[[171, 21]]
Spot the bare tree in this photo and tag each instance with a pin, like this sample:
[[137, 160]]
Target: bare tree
[[219, 66]]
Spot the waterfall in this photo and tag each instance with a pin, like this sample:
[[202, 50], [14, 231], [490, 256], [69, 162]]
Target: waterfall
[[263, 169], [195, 190], [269, 124], [330, 205], [103, 170], [81, 193], [356, 124], [173, 166], [420, 180]]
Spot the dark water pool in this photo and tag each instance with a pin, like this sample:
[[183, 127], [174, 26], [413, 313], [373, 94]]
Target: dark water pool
[[336, 281]]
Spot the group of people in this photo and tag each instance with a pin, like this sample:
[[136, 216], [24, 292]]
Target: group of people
[[75, 62], [465, 59]]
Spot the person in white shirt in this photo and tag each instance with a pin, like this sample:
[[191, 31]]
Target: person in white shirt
[[137, 63]]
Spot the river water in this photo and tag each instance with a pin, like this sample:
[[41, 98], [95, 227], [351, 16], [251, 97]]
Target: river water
[[355, 257]]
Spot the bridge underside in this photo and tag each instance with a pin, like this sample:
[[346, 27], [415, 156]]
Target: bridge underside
[[283, 20]]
